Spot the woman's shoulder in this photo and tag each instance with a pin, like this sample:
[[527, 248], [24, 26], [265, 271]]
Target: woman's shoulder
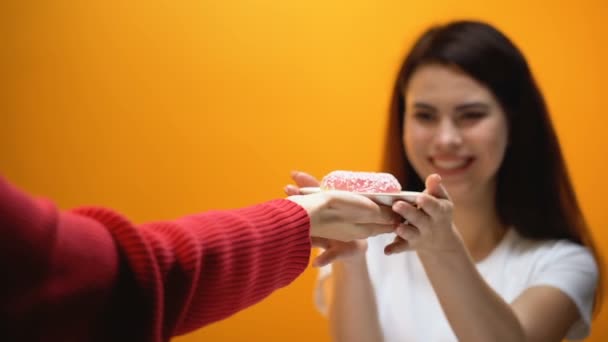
[[548, 251]]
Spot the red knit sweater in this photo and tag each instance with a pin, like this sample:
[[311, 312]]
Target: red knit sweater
[[91, 275]]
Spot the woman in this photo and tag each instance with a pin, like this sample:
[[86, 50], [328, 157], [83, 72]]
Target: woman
[[497, 247]]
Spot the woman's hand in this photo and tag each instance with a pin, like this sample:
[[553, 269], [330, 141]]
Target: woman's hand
[[428, 225]]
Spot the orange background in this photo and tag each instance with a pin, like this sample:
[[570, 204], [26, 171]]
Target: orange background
[[162, 108]]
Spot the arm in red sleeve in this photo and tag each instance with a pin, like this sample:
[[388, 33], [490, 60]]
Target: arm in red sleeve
[[90, 274]]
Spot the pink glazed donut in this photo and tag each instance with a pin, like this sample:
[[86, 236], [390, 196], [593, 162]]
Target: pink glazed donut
[[366, 182]]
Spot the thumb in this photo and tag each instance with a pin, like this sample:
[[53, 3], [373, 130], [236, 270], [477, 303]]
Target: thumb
[[303, 179], [435, 188], [326, 258]]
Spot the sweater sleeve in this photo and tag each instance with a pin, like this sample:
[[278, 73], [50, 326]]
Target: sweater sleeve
[[90, 274]]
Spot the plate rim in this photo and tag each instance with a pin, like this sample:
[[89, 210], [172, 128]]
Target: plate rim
[[316, 189]]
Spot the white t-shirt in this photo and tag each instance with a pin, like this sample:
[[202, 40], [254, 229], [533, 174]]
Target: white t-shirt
[[408, 308]]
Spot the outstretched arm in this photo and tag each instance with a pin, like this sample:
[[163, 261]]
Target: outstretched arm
[[90, 274]]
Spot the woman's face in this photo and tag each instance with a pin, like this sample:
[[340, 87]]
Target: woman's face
[[454, 127]]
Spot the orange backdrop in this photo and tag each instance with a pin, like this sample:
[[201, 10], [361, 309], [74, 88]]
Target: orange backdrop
[[162, 108]]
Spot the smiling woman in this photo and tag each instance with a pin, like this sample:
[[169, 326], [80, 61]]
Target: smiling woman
[[113, 101], [455, 127], [498, 256]]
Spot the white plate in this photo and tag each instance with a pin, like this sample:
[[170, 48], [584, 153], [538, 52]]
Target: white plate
[[382, 198]]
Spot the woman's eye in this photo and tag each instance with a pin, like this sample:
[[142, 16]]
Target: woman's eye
[[424, 116], [472, 116]]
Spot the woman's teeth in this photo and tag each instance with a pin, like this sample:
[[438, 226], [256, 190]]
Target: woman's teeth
[[450, 164]]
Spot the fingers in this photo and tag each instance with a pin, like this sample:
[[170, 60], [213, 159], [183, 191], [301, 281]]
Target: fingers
[[326, 258], [408, 233], [397, 246], [303, 179], [335, 252], [407, 236], [291, 190], [389, 215], [411, 214], [367, 230], [360, 209], [320, 242], [429, 204], [382, 214]]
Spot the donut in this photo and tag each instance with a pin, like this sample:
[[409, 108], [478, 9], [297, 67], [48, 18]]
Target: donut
[[358, 181]]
